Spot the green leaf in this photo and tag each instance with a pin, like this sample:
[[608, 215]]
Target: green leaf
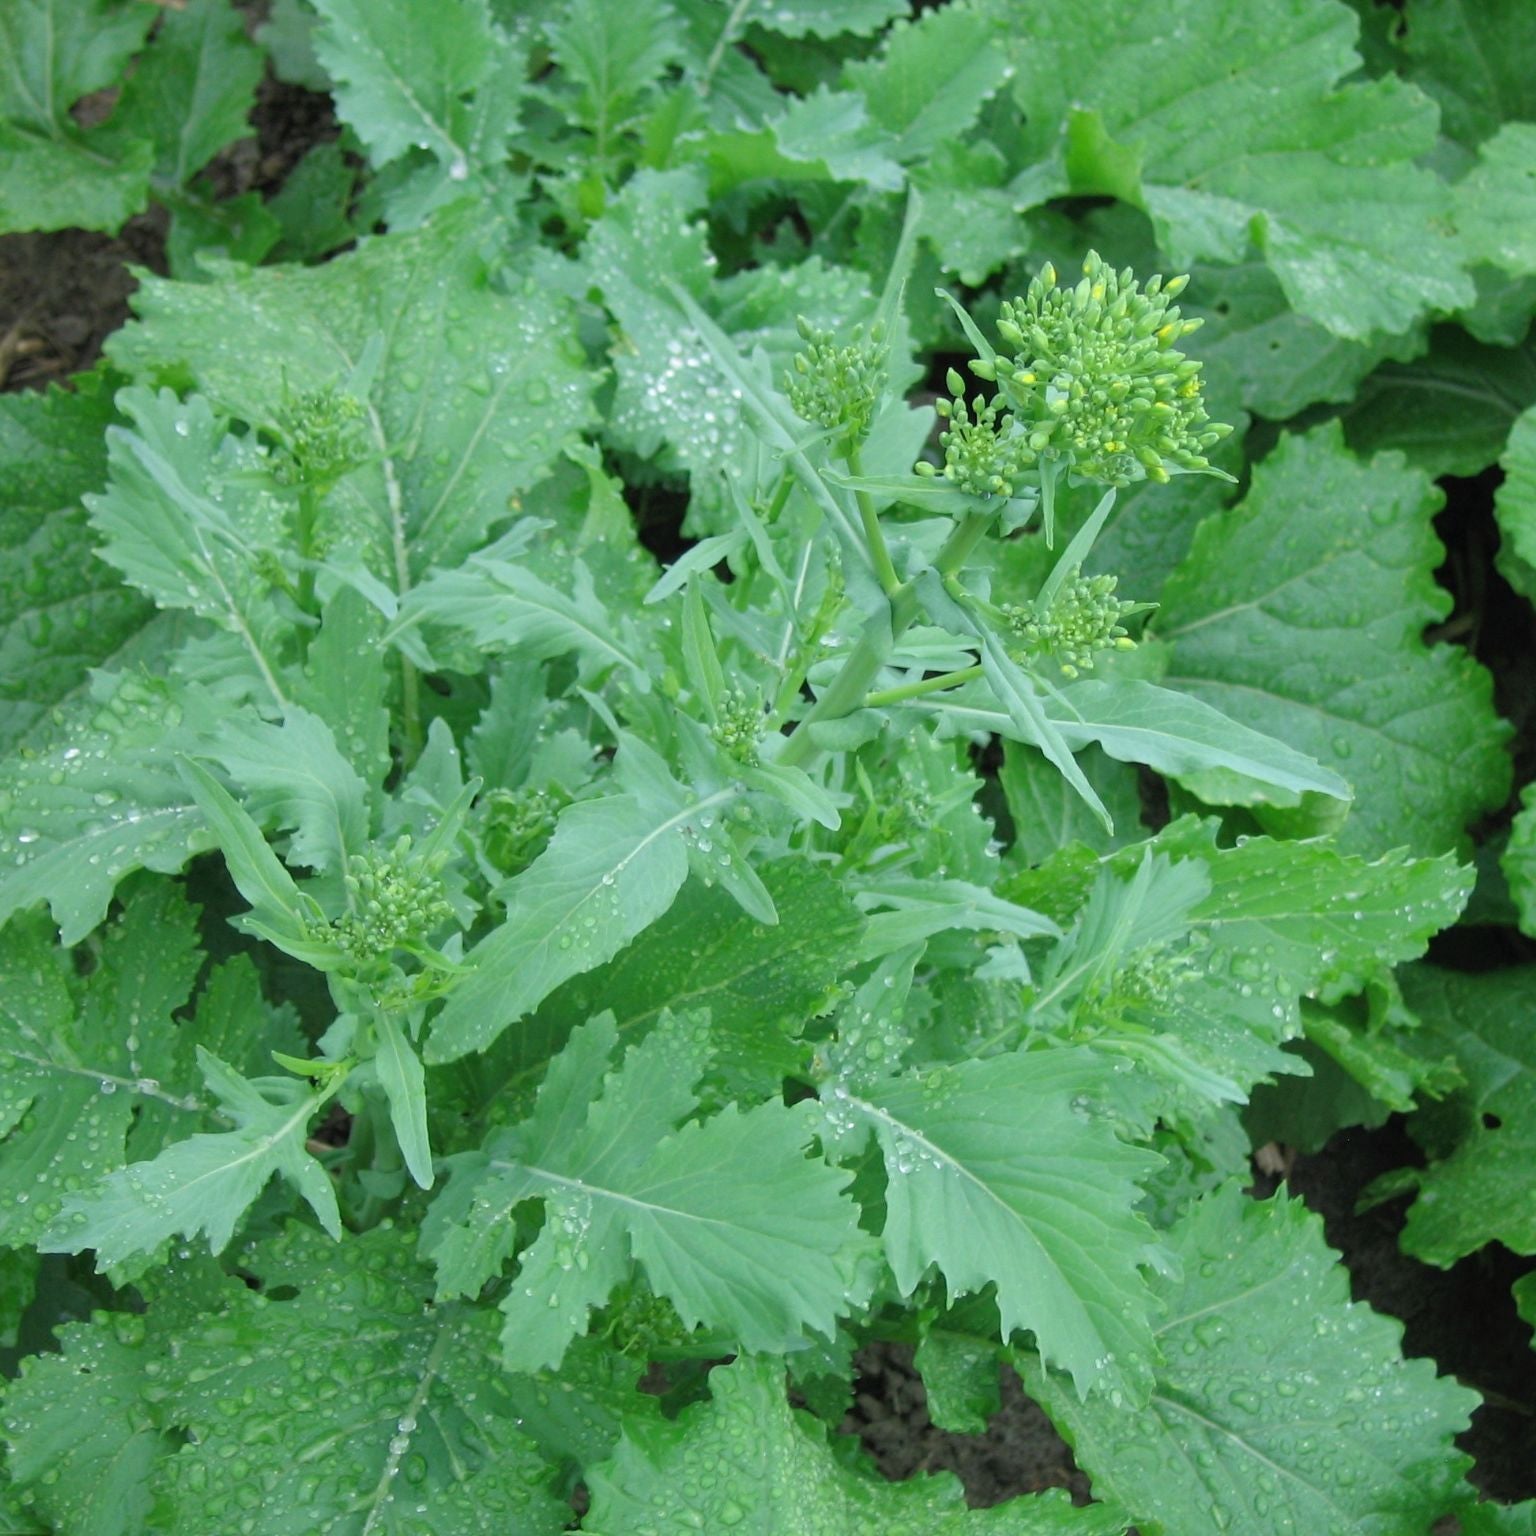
[[186, 517], [611, 869], [294, 777], [1279, 1403], [94, 799], [404, 86], [58, 616], [960, 1380], [192, 89], [1180, 736], [614, 52], [1477, 58], [1048, 816], [476, 390], [1300, 614], [84, 1449], [746, 1462], [827, 18], [1249, 145], [404, 1084], [417, 1424], [1263, 355], [83, 1058], [204, 1184], [1514, 504], [996, 1179], [759, 984], [498, 604], [932, 77], [280, 912], [1476, 1188], [346, 684], [53, 52], [728, 1218], [1031, 722], [1496, 201], [1325, 922], [1519, 860], [1449, 412]]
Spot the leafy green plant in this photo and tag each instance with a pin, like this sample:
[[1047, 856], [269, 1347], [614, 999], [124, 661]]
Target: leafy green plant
[[458, 964]]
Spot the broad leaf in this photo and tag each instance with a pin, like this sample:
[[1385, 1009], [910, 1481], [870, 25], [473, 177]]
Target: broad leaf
[[1300, 615], [612, 868], [728, 1218], [473, 391], [996, 1179], [746, 1462], [97, 797], [192, 91], [58, 615], [1247, 144], [1279, 1403], [204, 1184], [418, 1425], [82, 1056], [1476, 1188], [53, 52]]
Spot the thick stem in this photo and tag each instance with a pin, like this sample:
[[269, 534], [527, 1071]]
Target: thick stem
[[927, 685], [849, 689], [874, 536]]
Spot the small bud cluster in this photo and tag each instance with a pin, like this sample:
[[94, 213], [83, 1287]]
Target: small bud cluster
[[980, 456], [518, 823], [321, 438], [836, 386], [738, 727], [1149, 982], [1082, 619], [395, 900], [1096, 376], [641, 1323]]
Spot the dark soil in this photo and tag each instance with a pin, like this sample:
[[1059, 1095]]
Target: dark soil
[[62, 294]]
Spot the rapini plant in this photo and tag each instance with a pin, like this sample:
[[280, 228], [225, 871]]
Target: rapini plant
[[494, 1021]]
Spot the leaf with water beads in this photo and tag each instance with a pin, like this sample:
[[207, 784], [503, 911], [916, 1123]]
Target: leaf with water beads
[[727, 1218], [98, 797], [354, 1406], [612, 868], [745, 1462], [58, 614], [1280, 1408], [202, 1186], [476, 391], [1328, 563], [995, 1177], [80, 1055]]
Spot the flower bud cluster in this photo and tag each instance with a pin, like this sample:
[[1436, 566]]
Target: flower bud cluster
[[981, 456], [1082, 619], [738, 727], [321, 438], [836, 386], [395, 900], [518, 823], [1096, 376]]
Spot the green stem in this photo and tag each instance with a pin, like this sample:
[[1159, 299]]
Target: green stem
[[850, 688], [917, 690], [385, 1157], [968, 532], [309, 510], [847, 690], [874, 536]]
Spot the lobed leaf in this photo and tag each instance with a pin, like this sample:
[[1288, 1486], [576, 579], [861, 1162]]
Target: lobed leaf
[[1279, 1404]]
